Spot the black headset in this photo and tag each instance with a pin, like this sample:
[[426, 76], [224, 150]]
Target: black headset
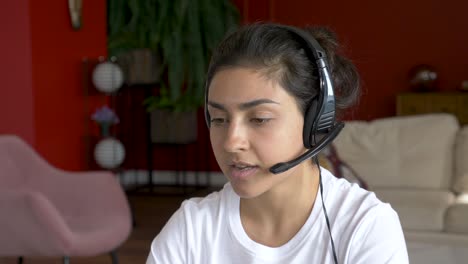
[[320, 125]]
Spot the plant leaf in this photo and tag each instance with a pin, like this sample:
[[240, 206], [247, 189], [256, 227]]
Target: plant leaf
[[183, 32]]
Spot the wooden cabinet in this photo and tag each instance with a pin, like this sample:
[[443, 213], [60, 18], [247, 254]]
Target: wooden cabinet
[[423, 103]]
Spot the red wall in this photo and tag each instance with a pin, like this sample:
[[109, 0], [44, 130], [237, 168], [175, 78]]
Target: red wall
[[42, 98], [16, 97], [384, 39], [57, 51], [42, 91]]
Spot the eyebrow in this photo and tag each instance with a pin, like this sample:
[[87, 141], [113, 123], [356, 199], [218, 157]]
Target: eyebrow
[[243, 106]]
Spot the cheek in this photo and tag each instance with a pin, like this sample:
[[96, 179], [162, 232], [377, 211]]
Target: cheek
[[281, 144], [216, 140]]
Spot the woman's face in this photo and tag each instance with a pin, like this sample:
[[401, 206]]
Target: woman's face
[[255, 124]]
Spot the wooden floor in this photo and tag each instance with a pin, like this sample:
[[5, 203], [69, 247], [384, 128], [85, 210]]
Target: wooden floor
[[151, 213]]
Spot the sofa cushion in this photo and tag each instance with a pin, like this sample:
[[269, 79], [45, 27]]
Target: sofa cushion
[[456, 219], [413, 151], [420, 210], [460, 182]]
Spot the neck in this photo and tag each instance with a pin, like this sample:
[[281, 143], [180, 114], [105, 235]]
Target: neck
[[282, 210]]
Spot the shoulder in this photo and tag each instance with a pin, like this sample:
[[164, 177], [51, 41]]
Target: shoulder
[[210, 206], [352, 208], [346, 197], [197, 218], [378, 237], [369, 229], [198, 214]]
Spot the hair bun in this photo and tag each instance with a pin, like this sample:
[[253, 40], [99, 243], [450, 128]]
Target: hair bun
[[345, 77]]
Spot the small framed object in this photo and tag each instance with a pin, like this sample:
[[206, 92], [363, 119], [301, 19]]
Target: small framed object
[[74, 8]]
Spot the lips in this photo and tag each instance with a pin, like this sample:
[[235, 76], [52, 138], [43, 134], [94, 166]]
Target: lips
[[242, 170]]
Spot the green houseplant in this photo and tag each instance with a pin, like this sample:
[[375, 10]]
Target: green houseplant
[[180, 34]]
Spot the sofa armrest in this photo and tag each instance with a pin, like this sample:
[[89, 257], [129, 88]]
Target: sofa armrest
[[460, 181]]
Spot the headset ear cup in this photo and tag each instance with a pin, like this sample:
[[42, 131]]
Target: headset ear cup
[[309, 119]]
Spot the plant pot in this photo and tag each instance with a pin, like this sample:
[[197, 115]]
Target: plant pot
[[173, 127], [140, 66]]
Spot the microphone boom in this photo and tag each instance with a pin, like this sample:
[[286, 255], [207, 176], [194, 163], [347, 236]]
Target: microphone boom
[[284, 166]]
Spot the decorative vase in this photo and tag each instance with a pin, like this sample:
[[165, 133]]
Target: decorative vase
[[109, 153], [423, 78], [105, 128]]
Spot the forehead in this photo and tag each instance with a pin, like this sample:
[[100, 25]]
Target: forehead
[[236, 85]]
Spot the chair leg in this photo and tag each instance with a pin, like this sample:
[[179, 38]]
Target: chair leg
[[20, 260], [115, 259], [66, 260]]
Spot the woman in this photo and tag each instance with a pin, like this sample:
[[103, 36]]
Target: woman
[[262, 82]]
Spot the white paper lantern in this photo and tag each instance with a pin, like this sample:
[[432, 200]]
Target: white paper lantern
[[108, 77], [109, 153]]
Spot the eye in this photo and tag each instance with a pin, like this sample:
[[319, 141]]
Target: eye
[[260, 121], [217, 121]]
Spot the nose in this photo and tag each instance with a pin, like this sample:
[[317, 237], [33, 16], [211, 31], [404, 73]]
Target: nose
[[236, 138]]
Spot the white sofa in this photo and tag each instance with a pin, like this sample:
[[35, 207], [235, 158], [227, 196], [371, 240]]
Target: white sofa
[[418, 164]]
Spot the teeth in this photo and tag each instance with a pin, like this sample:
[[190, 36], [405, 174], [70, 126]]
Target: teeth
[[241, 167]]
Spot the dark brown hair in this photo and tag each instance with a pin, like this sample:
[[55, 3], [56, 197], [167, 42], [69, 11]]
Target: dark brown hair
[[279, 54]]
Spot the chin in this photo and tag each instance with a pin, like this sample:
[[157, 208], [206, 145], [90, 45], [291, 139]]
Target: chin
[[245, 194], [247, 191]]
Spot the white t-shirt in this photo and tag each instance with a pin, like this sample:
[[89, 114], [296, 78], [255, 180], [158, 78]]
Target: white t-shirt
[[209, 230]]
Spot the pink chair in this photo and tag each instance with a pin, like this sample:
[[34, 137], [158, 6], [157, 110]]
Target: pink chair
[[45, 211]]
